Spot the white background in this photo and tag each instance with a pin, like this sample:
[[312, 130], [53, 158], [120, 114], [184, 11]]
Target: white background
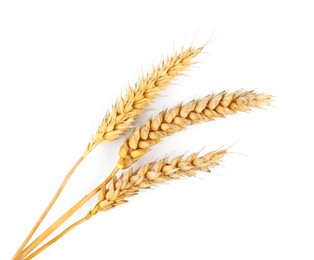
[[62, 65]]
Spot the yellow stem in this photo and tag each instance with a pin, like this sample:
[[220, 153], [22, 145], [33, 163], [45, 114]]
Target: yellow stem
[[55, 239], [91, 213], [64, 217], [55, 197]]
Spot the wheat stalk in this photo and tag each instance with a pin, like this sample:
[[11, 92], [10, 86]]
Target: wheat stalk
[[130, 182], [169, 121], [125, 111]]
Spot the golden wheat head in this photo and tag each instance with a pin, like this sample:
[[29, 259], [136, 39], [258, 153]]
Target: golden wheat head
[[127, 109], [130, 182], [177, 118]]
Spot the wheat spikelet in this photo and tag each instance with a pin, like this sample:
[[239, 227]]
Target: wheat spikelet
[[177, 118], [126, 110], [130, 182]]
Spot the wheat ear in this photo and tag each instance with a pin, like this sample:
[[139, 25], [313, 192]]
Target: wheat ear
[[126, 110], [177, 118], [130, 182]]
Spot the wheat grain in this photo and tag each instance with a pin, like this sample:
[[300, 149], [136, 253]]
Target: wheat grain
[[127, 109], [130, 182], [177, 118]]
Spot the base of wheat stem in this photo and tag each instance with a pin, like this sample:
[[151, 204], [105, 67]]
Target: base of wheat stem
[[64, 217], [54, 199], [56, 238], [65, 231]]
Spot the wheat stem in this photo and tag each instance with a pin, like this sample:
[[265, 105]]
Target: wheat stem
[[55, 239], [64, 217], [55, 197]]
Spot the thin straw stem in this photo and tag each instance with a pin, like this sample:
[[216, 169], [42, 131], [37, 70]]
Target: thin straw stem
[[56, 238], [55, 197], [64, 217]]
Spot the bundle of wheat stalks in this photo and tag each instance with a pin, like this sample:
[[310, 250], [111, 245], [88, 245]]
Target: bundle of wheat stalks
[[114, 190]]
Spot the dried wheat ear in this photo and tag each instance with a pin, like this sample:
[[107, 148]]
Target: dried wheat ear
[[130, 182], [177, 118], [127, 109]]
